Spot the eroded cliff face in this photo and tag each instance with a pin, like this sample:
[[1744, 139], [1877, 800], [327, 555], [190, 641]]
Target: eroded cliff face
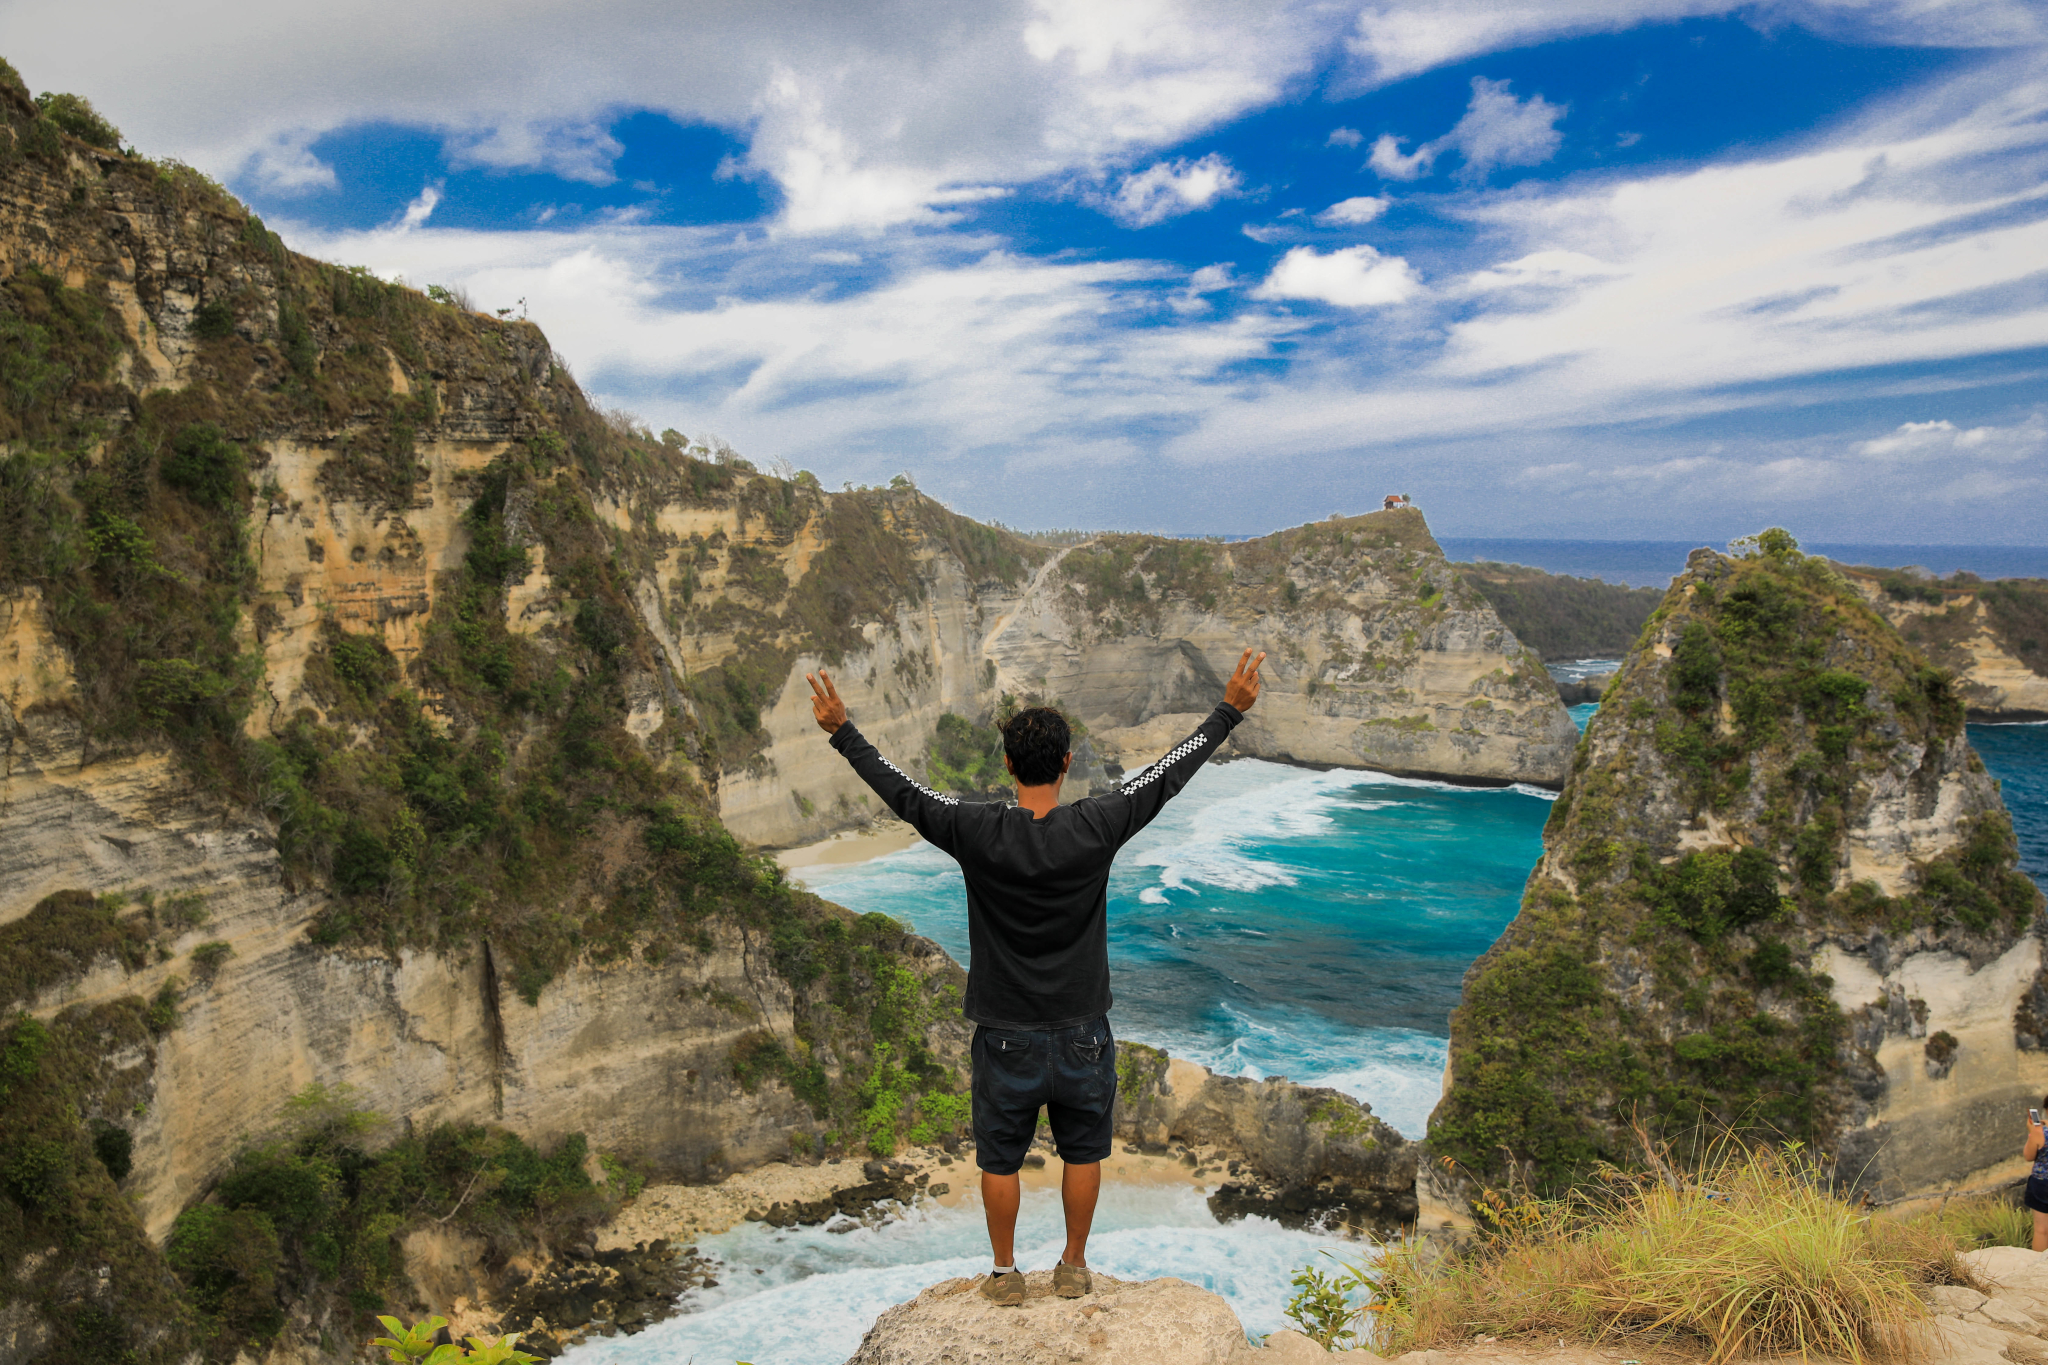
[[1380, 655], [1778, 893], [1993, 635]]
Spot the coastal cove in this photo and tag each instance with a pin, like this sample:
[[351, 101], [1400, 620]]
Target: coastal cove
[[1317, 925], [1273, 921]]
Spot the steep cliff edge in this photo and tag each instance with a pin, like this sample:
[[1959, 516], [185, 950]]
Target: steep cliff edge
[[1993, 634], [289, 801], [1778, 892]]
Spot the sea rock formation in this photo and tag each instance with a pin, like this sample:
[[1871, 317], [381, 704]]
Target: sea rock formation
[[1307, 1154], [1778, 893]]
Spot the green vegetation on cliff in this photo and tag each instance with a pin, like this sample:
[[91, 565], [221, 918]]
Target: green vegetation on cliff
[[1659, 973], [486, 795], [82, 1280], [479, 798], [309, 1219], [1562, 617], [2013, 611]]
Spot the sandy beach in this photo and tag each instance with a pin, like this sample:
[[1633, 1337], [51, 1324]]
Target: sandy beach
[[850, 846]]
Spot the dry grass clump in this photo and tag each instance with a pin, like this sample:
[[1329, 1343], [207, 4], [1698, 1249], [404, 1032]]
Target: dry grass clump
[[1985, 1222], [1749, 1256]]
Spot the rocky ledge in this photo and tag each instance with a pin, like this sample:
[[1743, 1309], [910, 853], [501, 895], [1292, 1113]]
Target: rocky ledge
[[1171, 1322], [590, 1292], [1128, 1322]]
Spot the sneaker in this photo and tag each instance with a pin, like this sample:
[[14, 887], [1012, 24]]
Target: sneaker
[[1071, 1281], [1004, 1291]]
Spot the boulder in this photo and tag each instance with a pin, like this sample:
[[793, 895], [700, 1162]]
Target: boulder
[[1123, 1322], [1129, 1322]]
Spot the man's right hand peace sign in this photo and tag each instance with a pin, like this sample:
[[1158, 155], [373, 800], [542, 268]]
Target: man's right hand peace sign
[[1243, 688], [826, 707]]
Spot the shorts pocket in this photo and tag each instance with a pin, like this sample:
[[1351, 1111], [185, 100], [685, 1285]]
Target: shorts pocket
[[1009, 1052]]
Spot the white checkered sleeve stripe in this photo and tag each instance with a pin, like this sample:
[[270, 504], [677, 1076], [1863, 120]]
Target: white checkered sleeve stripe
[[1192, 744], [942, 799]]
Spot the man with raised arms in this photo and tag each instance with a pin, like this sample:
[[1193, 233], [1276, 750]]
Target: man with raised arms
[[1037, 878]]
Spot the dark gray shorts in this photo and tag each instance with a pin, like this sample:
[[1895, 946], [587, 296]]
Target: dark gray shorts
[[1069, 1072]]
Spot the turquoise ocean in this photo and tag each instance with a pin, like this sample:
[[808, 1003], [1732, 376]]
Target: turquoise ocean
[[1272, 921]]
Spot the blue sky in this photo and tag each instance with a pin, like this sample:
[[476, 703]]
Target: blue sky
[[1655, 269]]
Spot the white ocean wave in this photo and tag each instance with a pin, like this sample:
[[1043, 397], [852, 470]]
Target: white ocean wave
[[818, 1291], [1204, 837], [1398, 1072]]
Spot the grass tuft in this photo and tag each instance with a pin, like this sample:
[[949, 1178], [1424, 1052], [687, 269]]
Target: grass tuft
[[1750, 1256]]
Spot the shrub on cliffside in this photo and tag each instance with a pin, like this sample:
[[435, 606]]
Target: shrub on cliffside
[[76, 116], [79, 1277], [316, 1211]]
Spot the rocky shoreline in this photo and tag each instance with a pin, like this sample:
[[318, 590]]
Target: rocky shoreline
[[1301, 1156]]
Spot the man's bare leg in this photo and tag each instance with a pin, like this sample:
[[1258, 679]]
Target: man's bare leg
[[1000, 1195], [1080, 1184]]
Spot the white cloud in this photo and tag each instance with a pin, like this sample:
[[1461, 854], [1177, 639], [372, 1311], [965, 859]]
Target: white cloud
[[1497, 130], [1168, 189], [1538, 269], [1353, 212], [1500, 130], [1344, 137], [1393, 164], [577, 151], [1944, 440], [285, 164], [420, 209], [1355, 277], [1390, 41], [1210, 279]]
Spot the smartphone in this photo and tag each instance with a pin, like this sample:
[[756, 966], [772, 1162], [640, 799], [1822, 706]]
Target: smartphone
[[2034, 1117]]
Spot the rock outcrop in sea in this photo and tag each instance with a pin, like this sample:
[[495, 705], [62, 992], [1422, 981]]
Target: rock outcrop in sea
[[1778, 894]]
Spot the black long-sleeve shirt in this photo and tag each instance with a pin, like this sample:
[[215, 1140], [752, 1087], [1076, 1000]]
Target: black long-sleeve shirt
[[1037, 889]]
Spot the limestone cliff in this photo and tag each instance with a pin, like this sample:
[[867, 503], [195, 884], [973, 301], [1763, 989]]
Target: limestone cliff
[[1994, 635], [374, 714], [1777, 893], [1382, 655]]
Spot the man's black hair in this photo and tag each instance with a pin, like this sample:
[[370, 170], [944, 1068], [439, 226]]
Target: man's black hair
[[1036, 739]]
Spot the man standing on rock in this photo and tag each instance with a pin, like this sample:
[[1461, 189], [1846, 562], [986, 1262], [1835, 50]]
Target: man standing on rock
[[1038, 928]]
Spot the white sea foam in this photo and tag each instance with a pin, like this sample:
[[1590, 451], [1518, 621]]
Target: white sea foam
[[819, 1289], [1204, 837], [1399, 1072]]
